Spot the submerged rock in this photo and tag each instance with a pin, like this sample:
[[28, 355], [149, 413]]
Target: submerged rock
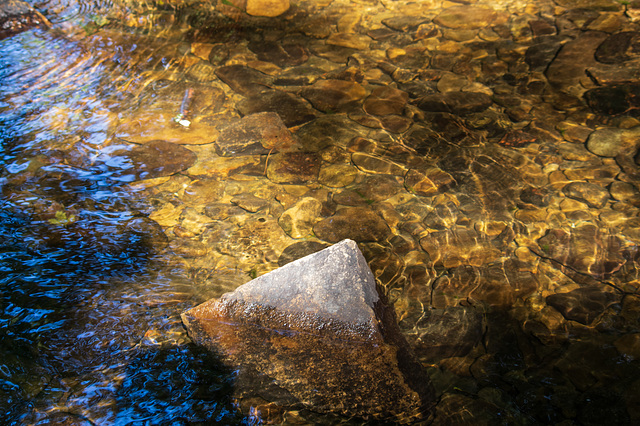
[[319, 330], [293, 110], [359, 223], [154, 159], [254, 134], [268, 8], [333, 95]]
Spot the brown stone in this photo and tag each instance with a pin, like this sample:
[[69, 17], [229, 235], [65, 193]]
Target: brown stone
[[333, 95], [590, 193], [605, 5], [374, 164], [244, 80], [298, 220], [267, 8], [163, 106], [428, 182], [293, 167], [568, 68], [619, 47], [318, 329], [259, 133], [155, 159], [293, 110], [615, 99], [584, 249], [353, 41], [583, 304], [357, 223], [385, 101], [498, 284], [466, 17], [459, 103], [283, 55], [444, 333]]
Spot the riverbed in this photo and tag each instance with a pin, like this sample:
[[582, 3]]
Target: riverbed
[[483, 155]]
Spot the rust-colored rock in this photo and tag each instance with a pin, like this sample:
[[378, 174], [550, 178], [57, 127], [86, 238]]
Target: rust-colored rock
[[318, 328]]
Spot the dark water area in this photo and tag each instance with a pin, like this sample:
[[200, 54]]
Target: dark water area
[[484, 155]]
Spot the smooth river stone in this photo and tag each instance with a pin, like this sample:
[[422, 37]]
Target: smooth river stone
[[594, 195], [568, 68], [337, 175], [361, 224], [293, 167], [373, 164], [151, 125], [611, 142], [615, 99], [353, 41], [583, 304], [605, 5], [299, 250], [385, 101], [497, 284], [584, 249], [250, 202], [283, 55], [458, 246], [244, 80], [267, 8], [318, 328], [404, 23], [428, 182], [540, 55], [160, 105], [466, 17], [619, 47], [155, 159], [459, 103], [328, 130], [293, 110], [259, 133], [298, 220], [390, 123], [449, 332], [333, 95]]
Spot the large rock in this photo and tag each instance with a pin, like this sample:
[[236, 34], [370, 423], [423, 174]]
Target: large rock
[[320, 331], [568, 68], [163, 104]]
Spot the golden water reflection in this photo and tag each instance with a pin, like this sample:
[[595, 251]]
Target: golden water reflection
[[483, 155]]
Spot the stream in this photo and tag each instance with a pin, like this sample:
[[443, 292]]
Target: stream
[[483, 154]]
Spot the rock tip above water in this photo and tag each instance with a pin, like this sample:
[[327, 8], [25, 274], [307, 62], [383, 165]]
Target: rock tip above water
[[332, 291], [318, 327]]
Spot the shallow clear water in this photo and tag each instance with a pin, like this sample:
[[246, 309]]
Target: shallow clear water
[[517, 289]]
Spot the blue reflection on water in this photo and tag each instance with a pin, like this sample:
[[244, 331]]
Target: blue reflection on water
[[76, 267]]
